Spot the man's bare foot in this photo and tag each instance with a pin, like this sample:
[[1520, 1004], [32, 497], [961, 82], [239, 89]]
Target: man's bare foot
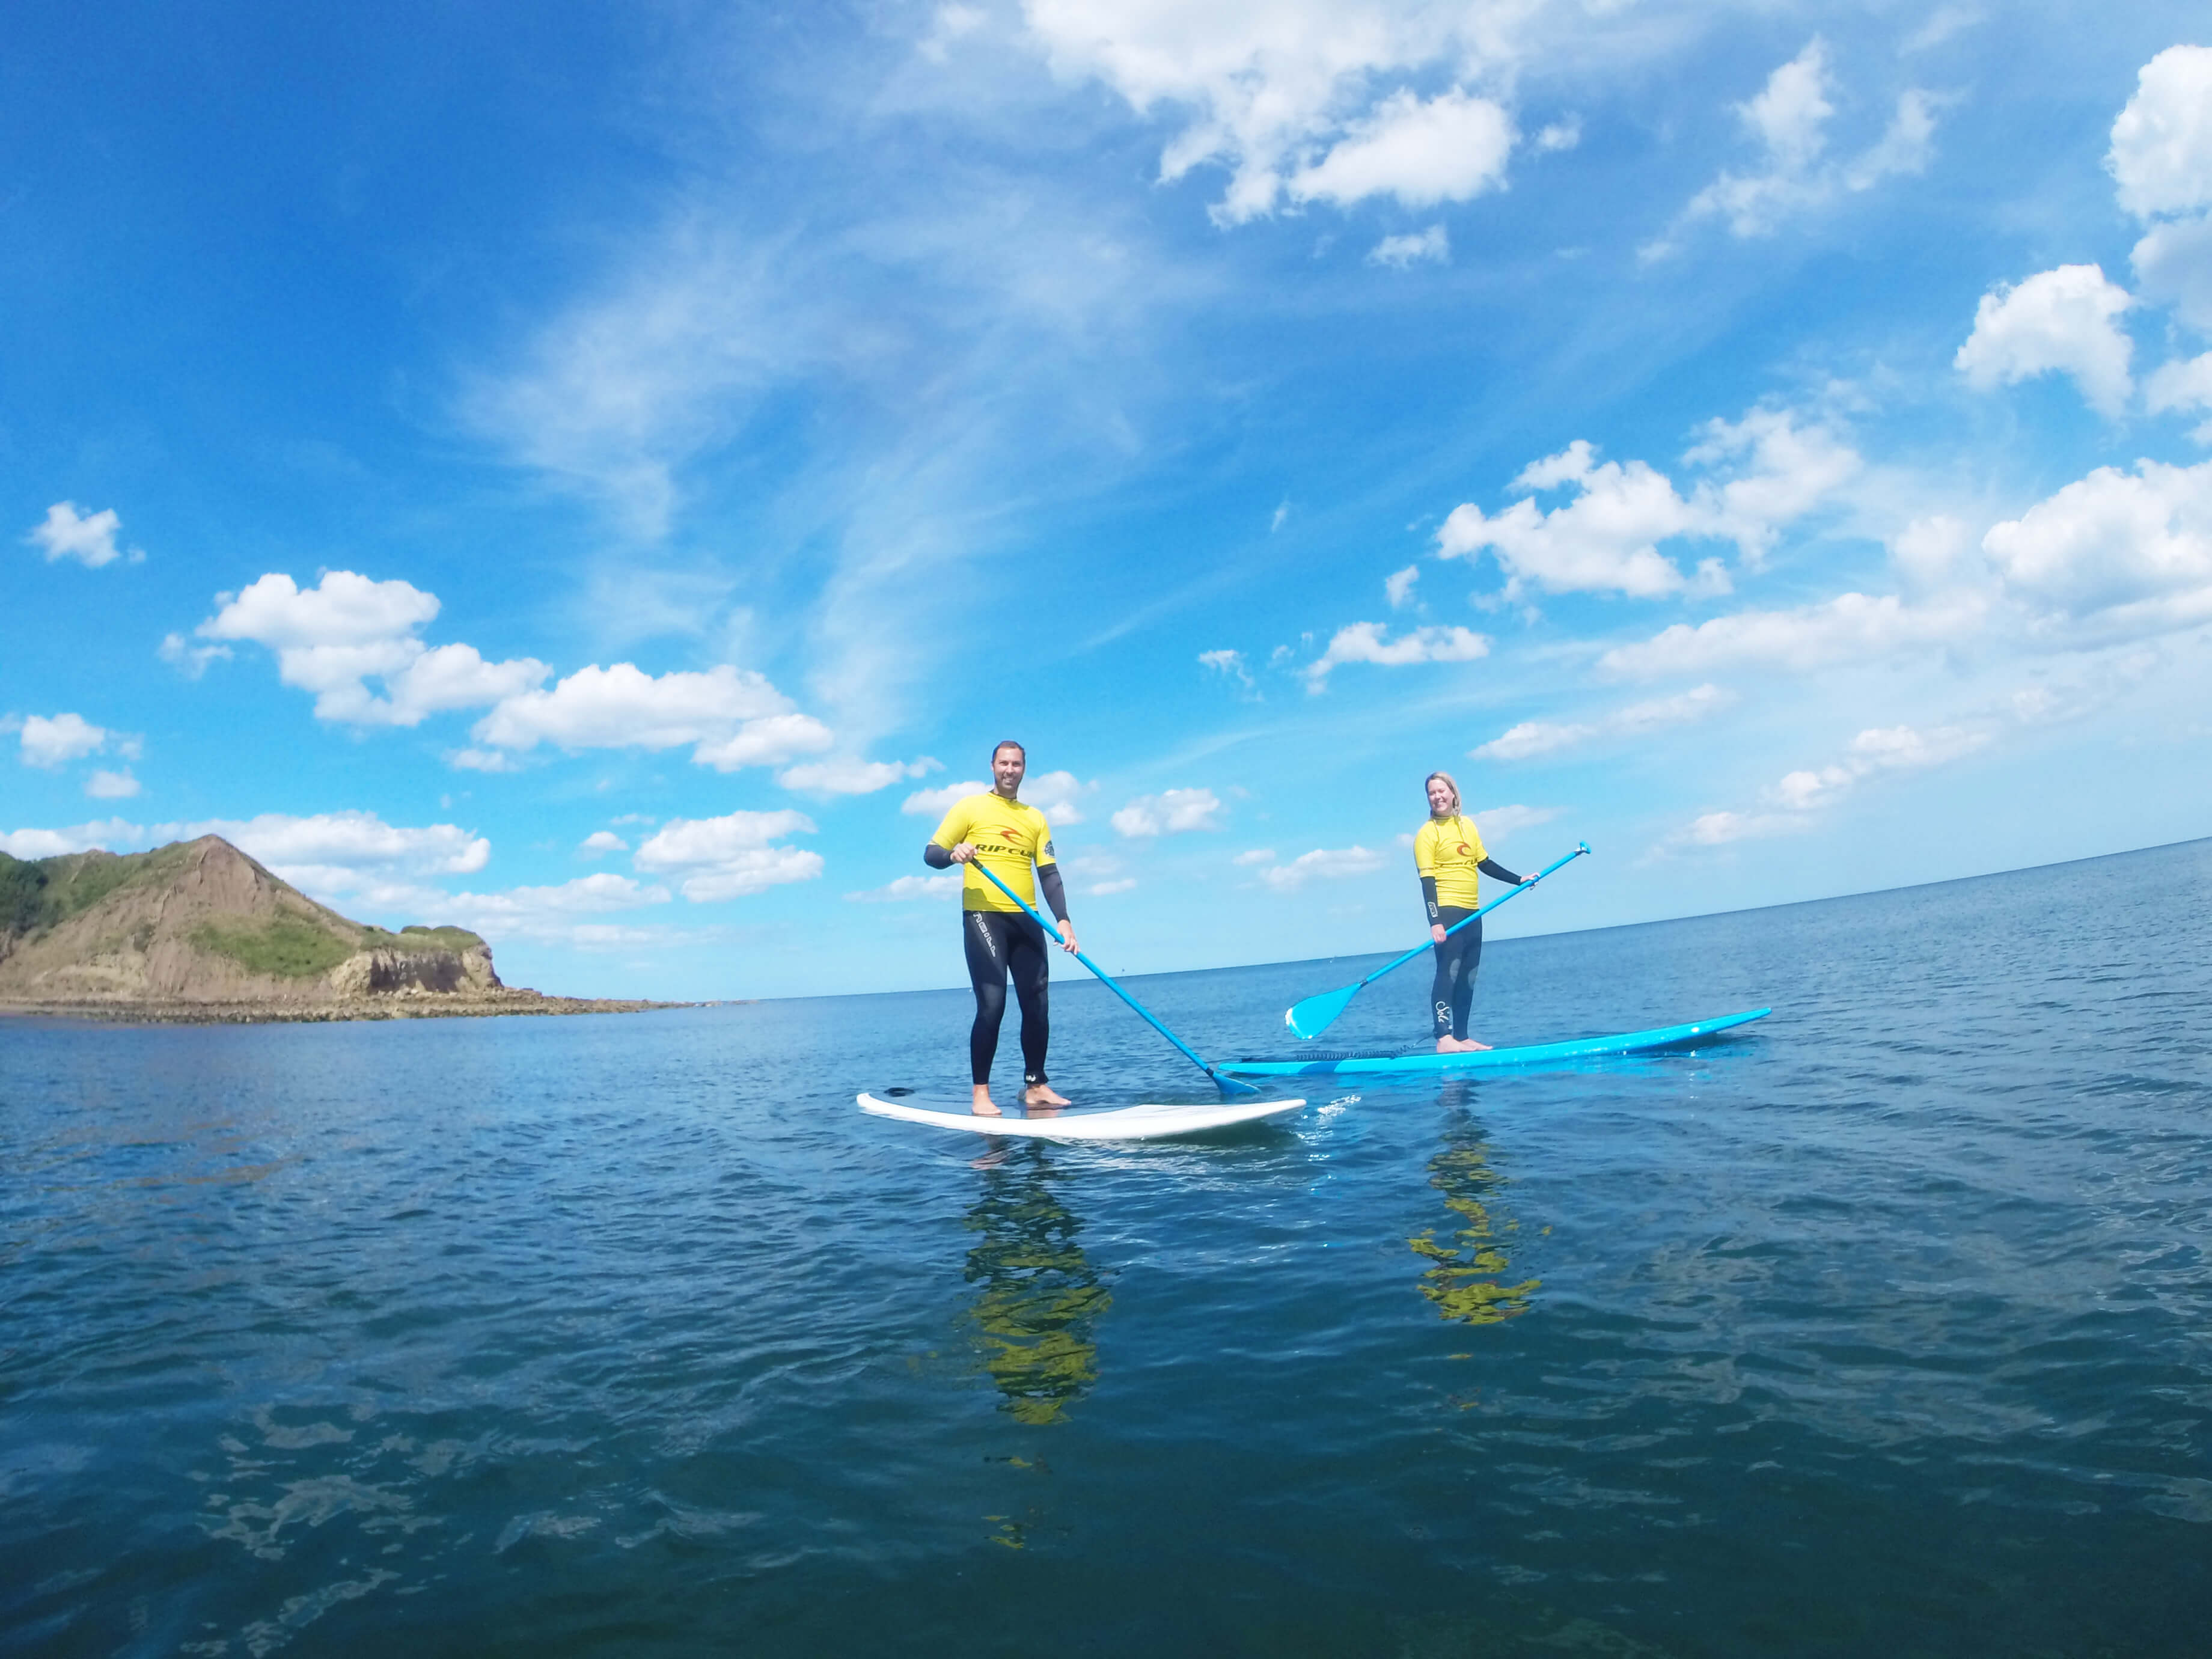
[[985, 1106], [1452, 1045], [1042, 1094]]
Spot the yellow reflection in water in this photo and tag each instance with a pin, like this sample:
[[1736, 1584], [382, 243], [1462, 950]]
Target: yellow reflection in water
[[1465, 1278], [1041, 1299]]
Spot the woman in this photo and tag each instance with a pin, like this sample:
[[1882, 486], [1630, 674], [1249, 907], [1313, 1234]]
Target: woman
[[1448, 853]]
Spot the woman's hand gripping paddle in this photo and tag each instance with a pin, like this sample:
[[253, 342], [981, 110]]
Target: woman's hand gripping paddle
[[1314, 1015], [1228, 1085]]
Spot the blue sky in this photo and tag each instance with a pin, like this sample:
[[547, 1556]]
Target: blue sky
[[602, 474]]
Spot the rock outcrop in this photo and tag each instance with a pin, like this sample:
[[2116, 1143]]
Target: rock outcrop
[[199, 930]]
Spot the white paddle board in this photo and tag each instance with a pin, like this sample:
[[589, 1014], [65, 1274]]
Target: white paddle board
[[1129, 1123]]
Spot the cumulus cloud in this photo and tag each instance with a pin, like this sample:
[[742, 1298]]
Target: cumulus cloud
[[1847, 627], [600, 843], [107, 835], [1533, 738], [732, 717], [1398, 586], [1368, 641], [1322, 864], [1265, 90], [2184, 383], [189, 659], [1430, 246], [345, 855], [732, 856], [111, 785], [904, 889], [87, 537], [1796, 801], [332, 639], [2061, 321], [2174, 263], [1767, 471], [1788, 119], [936, 803], [549, 914], [1170, 812], [2114, 554], [2161, 152], [56, 741], [1053, 793], [1255, 855], [854, 777], [1499, 823]]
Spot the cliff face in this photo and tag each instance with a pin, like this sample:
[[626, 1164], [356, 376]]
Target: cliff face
[[199, 922]]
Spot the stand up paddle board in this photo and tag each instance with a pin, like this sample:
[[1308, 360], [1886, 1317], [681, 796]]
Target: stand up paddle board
[[1494, 1060], [1129, 1123]]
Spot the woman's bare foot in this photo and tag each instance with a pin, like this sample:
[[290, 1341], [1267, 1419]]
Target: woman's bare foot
[[1042, 1094], [985, 1106], [1452, 1045]]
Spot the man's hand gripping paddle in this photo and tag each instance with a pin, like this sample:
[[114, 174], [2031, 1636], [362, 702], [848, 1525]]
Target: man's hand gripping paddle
[[1314, 1015]]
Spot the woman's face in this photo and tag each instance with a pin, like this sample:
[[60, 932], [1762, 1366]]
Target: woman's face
[[1440, 797]]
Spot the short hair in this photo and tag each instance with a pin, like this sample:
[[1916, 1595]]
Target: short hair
[[1449, 783], [1008, 744]]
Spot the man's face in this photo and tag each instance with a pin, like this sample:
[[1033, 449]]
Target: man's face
[[1006, 768]]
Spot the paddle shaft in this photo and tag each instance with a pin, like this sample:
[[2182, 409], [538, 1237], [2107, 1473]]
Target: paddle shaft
[[1225, 1083], [1512, 892]]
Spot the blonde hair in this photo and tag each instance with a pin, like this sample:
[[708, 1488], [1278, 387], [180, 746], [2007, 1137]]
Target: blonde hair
[[1451, 783]]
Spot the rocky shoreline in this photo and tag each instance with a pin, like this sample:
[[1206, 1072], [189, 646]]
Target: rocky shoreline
[[398, 1006]]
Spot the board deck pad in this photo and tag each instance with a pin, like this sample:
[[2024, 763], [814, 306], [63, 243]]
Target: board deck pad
[[1126, 1123], [1327, 1063]]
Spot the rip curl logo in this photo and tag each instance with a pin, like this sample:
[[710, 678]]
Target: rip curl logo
[[1465, 851]]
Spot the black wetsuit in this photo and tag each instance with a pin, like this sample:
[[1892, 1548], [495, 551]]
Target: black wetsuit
[[1001, 944], [1451, 996]]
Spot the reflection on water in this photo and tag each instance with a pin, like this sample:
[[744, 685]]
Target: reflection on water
[[1041, 1299], [1465, 1278]]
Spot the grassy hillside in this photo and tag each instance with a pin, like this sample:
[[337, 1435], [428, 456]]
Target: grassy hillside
[[37, 893]]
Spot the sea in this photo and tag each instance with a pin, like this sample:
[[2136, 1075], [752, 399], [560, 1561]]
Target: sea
[[1883, 1326]]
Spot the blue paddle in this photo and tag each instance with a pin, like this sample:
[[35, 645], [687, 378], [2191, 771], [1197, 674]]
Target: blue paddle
[[1228, 1085], [1314, 1015]]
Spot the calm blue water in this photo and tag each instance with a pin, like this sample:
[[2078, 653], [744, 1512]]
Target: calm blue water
[[1885, 1330]]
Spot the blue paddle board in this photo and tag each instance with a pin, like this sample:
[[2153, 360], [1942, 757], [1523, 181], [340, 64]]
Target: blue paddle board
[[1129, 1123], [1493, 1059]]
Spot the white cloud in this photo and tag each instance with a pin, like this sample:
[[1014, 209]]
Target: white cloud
[[1322, 864], [482, 760], [89, 538], [1801, 795], [349, 854], [854, 777], [1430, 246], [1604, 540], [1788, 121], [547, 914], [600, 843], [1450, 148], [1230, 665], [732, 856], [1369, 642], [906, 888], [55, 741], [1170, 812], [2114, 554], [2174, 263], [2059, 321], [936, 803], [1264, 87], [1533, 738], [1499, 823], [1255, 855], [333, 638], [1718, 829], [2161, 152], [2184, 383], [732, 717], [111, 785], [1849, 627], [1398, 586], [189, 659], [1053, 795], [1560, 135], [1783, 471], [108, 836]]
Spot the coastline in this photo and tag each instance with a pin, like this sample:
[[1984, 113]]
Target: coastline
[[444, 1007]]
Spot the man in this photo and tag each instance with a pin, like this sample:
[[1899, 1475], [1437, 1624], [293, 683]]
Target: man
[[997, 831]]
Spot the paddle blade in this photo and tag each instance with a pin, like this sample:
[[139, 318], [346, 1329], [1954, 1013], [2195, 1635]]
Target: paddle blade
[[1232, 1085], [1309, 1018]]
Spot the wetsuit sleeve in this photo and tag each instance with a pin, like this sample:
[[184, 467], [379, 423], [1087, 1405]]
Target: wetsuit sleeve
[[936, 857], [1429, 899], [1055, 891], [1497, 871]]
